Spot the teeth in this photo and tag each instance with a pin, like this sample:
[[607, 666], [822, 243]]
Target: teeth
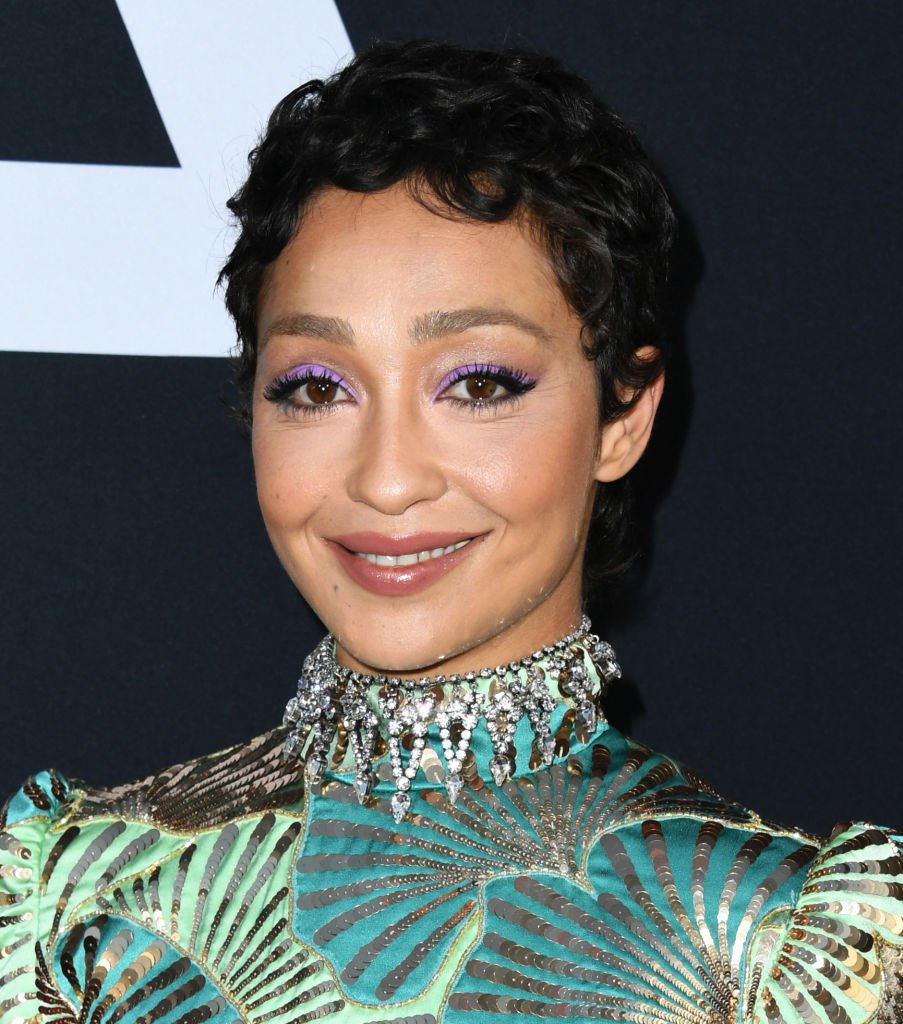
[[410, 559]]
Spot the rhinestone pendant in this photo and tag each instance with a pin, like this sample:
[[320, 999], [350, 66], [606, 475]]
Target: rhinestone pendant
[[547, 748], [453, 786], [400, 804], [314, 769], [585, 721], [293, 712], [501, 769], [604, 656], [411, 719], [290, 747], [502, 715], [363, 787], [457, 715]]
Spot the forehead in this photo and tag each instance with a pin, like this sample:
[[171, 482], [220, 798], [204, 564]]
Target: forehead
[[387, 255]]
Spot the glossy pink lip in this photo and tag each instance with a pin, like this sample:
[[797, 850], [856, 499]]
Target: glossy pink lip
[[399, 580]]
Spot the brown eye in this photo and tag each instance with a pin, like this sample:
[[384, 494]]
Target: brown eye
[[484, 388], [481, 389], [310, 389], [321, 392]]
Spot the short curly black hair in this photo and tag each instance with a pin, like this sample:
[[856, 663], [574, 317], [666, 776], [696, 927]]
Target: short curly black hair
[[487, 135]]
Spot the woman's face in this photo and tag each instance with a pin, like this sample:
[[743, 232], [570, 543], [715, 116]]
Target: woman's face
[[425, 434]]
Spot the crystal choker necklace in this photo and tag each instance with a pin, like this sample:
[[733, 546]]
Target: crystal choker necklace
[[337, 708]]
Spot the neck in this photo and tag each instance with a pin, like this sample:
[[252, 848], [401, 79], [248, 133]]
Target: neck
[[521, 710]]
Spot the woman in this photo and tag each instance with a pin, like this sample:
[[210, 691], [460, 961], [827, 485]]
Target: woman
[[445, 289]]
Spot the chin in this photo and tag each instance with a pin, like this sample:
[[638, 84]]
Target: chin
[[392, 657], [394, 645]]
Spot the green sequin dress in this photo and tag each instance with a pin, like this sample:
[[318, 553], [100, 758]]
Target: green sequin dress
[[612, 885]]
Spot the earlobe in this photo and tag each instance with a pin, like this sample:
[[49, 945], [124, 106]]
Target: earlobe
[[624, 440]]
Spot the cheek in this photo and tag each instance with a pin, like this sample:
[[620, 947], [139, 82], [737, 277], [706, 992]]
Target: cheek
[[288, 484], [535, 474], [269, 479]]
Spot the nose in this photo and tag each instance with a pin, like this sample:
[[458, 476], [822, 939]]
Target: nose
[[396, 464]]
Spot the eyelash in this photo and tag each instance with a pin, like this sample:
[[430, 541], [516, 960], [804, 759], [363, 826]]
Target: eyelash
[[282, 389], [515, 382]]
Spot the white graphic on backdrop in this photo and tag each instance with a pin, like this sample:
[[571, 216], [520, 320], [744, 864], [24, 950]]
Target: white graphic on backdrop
[[122, 260]]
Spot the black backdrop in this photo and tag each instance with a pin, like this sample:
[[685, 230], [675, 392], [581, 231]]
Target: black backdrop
[[145, 620]]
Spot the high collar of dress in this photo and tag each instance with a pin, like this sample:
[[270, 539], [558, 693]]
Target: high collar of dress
[[454, 730]]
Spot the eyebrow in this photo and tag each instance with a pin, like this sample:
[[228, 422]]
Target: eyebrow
[[312, 325], [440, 323]]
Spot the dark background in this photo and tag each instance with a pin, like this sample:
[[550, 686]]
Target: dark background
[[146, 621]]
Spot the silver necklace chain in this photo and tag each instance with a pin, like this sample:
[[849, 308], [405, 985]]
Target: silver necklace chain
[[337, 707]]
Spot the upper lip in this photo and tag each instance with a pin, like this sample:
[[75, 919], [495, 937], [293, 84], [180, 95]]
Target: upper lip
[[370, 543]]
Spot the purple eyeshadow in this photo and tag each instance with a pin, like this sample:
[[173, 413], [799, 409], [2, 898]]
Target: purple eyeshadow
[[315, 371]]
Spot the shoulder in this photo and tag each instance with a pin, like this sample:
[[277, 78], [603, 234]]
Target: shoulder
[[812, 928], [27, 821], [53, 828], [189, 796], [50, 816], [835, 953], [68, 850], [246, 779]]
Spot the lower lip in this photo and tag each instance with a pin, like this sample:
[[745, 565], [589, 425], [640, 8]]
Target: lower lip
[[400, 580]]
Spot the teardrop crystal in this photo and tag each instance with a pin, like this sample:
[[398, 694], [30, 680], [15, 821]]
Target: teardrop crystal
[[400, 804], [501, 770], [453, 785], [363, 787], [292, 712], [547, 748], [290, 748]]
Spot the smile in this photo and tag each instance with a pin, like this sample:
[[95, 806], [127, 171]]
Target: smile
[[401, 566], [413, 557]]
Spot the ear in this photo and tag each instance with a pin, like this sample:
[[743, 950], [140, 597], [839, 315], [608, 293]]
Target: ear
[[624, 440]]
